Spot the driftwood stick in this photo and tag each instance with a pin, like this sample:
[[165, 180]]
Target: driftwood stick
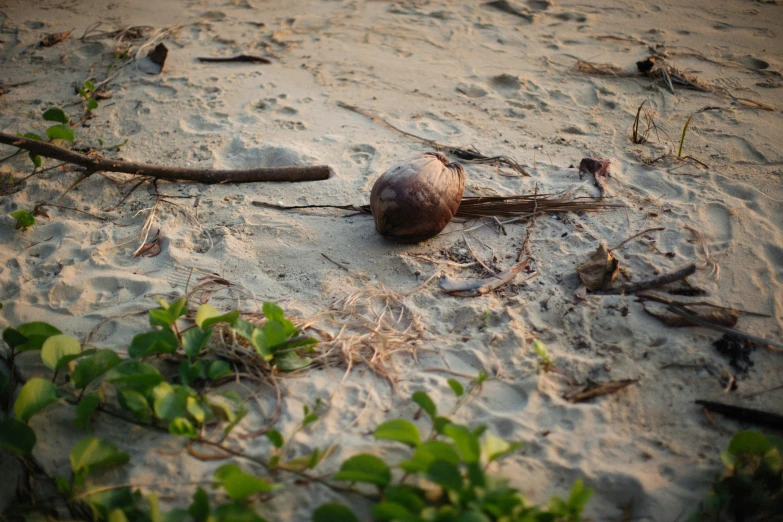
[[764, 418], [98, 163], [632, 288], [774, 345]]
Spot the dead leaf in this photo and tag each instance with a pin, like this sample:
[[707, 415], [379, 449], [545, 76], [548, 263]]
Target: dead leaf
[[598, 272], [598, 168], [40, 213], [726, 318], [594, 389], [477, 287], [151, 248], [54, 39], [158, 55]]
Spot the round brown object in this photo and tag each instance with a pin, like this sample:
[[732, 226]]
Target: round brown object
[[416, 199]]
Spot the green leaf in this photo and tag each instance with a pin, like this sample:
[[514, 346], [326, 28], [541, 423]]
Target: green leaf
[[749, 442], [389, 511], [153, 342], [243, 328], [136, 374], [426, 403], [240, 485], [199, 509], [456, 387], [399, 430], [406, 496], [34, 396], [117, 515], [56, 347], [92, 367], [473, 516], [13, 338], [170, 401], [194, 340], [35, 334], [273, 312], [189, 372], [134, 402], [160, 317], [85, 410], [89, 85], [427, 453], [91, 105], [334, 512], [196, 409], [183, 427], [93, 454], [56, 114], [260, 343], [493, 447], [61, 132], [218, 369], [24, 219], [36, 159], [275, 334], [207, 315], [466, 442], [275, 438], [32, 136], [440, 423], [17, 436], [578, 497], [365, 468], [290, 361], [445, 474]]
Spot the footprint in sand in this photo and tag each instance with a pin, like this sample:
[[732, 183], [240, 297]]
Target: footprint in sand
[[718, 226], [434, 124], [198, 124], [361, 155], [774, 255], [237, 154]]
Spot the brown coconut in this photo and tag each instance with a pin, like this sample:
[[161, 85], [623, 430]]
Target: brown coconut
[[415, 199]]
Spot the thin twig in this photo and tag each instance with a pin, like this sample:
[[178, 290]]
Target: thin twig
[[635, 236], [632, 288]]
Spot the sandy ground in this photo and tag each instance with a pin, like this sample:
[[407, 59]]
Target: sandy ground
[[458, 72]]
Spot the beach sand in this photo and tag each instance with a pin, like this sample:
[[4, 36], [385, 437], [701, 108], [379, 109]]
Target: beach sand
[[461, 73]]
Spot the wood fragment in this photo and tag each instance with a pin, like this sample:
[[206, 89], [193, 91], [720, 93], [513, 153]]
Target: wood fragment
[[632, 288], [158, 55], [54, 39], [718, 317], [478, 287], [151, 248], [598, 272], [242, 58], [598, 168], [763, 418], [618, 245], [594, 389], [100, 164]]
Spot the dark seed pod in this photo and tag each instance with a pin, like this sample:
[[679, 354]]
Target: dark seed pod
[[416, 199]]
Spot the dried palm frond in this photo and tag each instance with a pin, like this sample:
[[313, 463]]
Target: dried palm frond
[[520, 205]]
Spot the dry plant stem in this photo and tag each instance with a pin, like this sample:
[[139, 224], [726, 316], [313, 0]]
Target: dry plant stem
[[665, 279], [661, 299], [635, 236], [774, 345], [97, 163], [471, 156]]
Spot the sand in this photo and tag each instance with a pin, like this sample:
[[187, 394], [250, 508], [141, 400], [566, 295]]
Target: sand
[[457, 72]]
